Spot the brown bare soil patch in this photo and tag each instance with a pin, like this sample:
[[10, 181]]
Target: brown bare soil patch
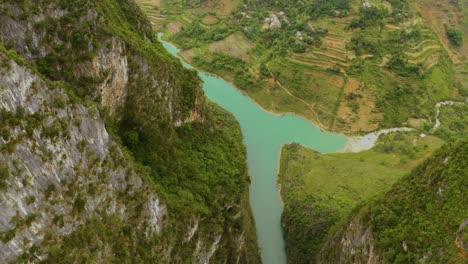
[[365, 118], [352, 85], [336, 80], [174, 26], [187, 55], [416, 123], [221, 7], [157, 2], [235, 45], [209, 20]]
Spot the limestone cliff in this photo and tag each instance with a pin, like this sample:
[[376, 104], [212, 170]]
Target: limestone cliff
[[62, 168], [84, 87]]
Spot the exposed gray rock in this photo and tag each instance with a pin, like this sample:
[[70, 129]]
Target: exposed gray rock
[[81, 163]]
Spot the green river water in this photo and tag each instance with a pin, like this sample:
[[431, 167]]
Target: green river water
[[264, 134]]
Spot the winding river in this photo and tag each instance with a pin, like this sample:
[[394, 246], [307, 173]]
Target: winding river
[[264, 134]]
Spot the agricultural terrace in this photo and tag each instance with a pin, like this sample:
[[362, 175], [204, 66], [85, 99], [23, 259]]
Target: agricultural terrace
[[348, 66]]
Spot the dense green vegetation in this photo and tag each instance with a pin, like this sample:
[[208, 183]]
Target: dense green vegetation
[[423, 212], [454, 122], [201, 160], [198, 167], [400, 63], [230, 67], [321, 190], [455, 36]]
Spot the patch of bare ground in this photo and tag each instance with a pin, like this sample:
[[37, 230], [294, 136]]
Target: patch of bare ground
[[174, 26], [236, 45], [187, 55], [385, 60], [417, 123], [221, 7], [364, 117]]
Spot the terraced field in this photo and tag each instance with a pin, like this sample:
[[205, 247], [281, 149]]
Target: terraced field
[[426, 53], [319, 89], [235, 45], [209, 20], [151, 9], [333, 52], [319, 84], [325, 64]]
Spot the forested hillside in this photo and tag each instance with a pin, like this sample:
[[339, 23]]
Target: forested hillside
[[108, 150], [422, 218]]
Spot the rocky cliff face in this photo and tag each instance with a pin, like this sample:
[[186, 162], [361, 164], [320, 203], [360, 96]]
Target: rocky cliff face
[[71, 41], [68, 188], [63, 168]]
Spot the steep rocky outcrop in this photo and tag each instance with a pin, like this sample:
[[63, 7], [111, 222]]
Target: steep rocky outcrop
[[75, 42], [85, 92], [63, 167]]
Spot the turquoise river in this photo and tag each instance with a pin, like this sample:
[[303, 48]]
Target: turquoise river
[[264, 134]]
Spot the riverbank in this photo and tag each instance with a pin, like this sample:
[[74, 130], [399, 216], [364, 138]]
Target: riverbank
[[355, 143], [184, 61], [264, 134], [366, 142]]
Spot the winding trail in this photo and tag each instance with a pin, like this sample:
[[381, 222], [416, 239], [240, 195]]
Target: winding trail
[[311, 107], [366, 142], [438, 105]]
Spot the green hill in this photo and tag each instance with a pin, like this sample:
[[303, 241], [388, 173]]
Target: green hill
[[348, 208], [423, 217]]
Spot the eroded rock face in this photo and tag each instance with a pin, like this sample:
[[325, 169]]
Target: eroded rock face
[[112, 88], [62, 174], [104, 68], [63, 170]]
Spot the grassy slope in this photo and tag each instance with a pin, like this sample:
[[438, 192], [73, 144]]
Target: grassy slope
[[319, 191], [424, 211], [454, 122]]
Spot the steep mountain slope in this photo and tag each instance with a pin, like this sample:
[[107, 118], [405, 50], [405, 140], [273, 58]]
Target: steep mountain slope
[[108, 150], [423, 218], [321, 190], [350, 213]]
